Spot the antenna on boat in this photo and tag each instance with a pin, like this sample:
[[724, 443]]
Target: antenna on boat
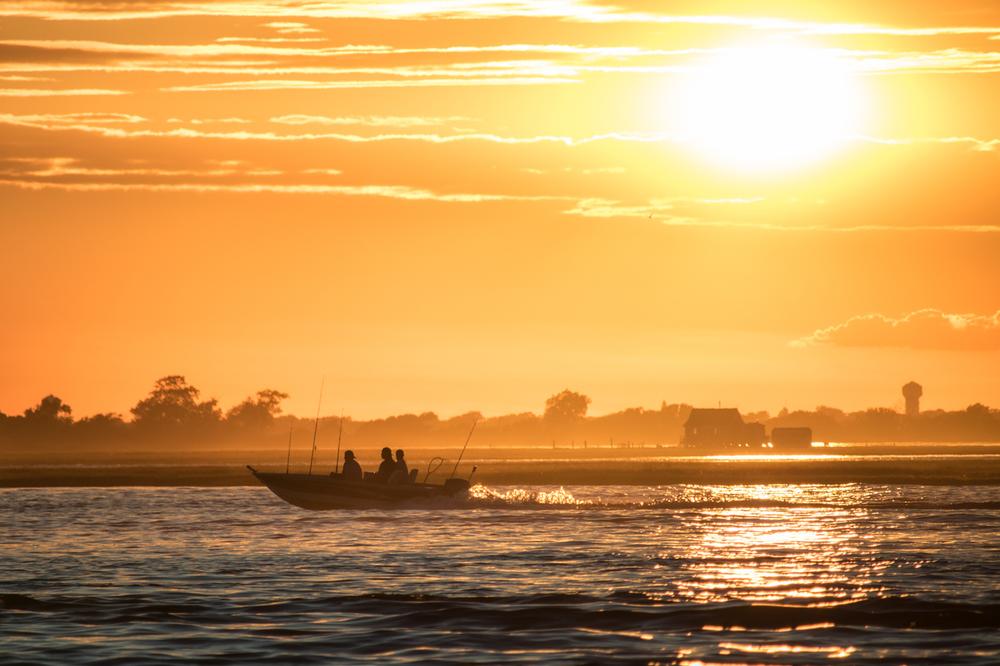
[[288, 460], [336, 469], [316, 424], [464, 447]]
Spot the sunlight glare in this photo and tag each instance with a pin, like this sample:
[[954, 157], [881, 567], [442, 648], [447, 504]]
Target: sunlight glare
[[769, 108]]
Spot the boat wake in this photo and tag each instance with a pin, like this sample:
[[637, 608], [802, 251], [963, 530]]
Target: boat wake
[[485, 496], [482, 496]]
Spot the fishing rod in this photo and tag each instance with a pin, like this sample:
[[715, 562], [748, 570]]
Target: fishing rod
[[464, 447], [340, 432], [288, 460], [439, 460], [316, 425]]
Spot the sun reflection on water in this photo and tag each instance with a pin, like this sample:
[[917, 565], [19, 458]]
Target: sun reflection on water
[[813, 556], [757, 555], [830, 652]]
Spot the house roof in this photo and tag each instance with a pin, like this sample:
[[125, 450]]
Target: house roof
[[701, 417]]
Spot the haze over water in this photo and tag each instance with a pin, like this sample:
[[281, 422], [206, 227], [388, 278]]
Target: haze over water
[[780, 574]]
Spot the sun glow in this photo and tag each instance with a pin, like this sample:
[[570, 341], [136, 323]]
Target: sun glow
[[768, 108]]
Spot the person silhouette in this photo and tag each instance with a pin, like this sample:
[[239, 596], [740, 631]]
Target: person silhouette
[[352, 470], [387, 466], [402, 472]]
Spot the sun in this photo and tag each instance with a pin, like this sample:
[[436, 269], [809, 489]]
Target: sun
[[770, 108]]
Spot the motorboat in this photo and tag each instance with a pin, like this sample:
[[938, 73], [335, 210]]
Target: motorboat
[[318, 492]]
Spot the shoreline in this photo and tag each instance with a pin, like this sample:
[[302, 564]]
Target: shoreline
[[931, 470]]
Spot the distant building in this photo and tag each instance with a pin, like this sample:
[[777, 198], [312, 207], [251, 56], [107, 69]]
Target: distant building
[[791, 438], [755, 434], [912, 393], [721, 428]]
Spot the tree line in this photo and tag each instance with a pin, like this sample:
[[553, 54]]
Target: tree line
[[174, 414]]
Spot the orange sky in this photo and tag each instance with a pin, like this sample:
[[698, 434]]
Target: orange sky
[[472, 205]]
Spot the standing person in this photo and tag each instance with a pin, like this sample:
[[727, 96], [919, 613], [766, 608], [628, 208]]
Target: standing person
[[352, 470], [387, 467]]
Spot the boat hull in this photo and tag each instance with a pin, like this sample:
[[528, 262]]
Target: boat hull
[[322, 493]]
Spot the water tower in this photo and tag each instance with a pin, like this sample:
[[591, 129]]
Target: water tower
[[912, 393]]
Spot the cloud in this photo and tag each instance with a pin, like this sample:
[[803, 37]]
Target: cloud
[[291, 27], [66, 122], [211, 121], [284, 56], [386, 191], [582, 11], [270, 40], [41, 119], [946, 61], [467, 79], [598, 207], [94, 46], [977, 144], [60, 167], [19, 79], [923, 329], [665, 210], [586, 171], [371, 121], [38, 122], [66, 92], [691, 212], [101, 10]]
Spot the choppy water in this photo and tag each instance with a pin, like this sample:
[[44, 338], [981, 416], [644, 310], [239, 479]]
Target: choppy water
[[675, 574]]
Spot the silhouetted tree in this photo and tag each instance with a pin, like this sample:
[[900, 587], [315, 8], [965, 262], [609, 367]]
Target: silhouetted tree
[[102, 428], [465, 419], [566, 406], [979, 421], [104, 420], [51, 409], [978, 411], [173, 404], [878, 424], [257, 411], [564, 415], [49, 422]]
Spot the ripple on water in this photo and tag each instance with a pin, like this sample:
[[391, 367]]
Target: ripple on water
[[768, 574]]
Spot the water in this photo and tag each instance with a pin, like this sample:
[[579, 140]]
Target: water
[[785, 574]]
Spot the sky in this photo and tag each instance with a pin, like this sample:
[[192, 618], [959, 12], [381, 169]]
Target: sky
[[457, 206]]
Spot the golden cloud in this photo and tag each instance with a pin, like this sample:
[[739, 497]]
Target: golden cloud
[[923, 329]]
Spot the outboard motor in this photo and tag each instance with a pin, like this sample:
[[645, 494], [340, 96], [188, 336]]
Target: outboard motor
[[456, 486]]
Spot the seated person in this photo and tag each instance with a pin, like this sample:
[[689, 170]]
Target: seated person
[[387, 467], [402, 473], [352, 470]]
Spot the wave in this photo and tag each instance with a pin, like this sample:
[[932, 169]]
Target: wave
[[487, 497], [484, 497], [546, 611]]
